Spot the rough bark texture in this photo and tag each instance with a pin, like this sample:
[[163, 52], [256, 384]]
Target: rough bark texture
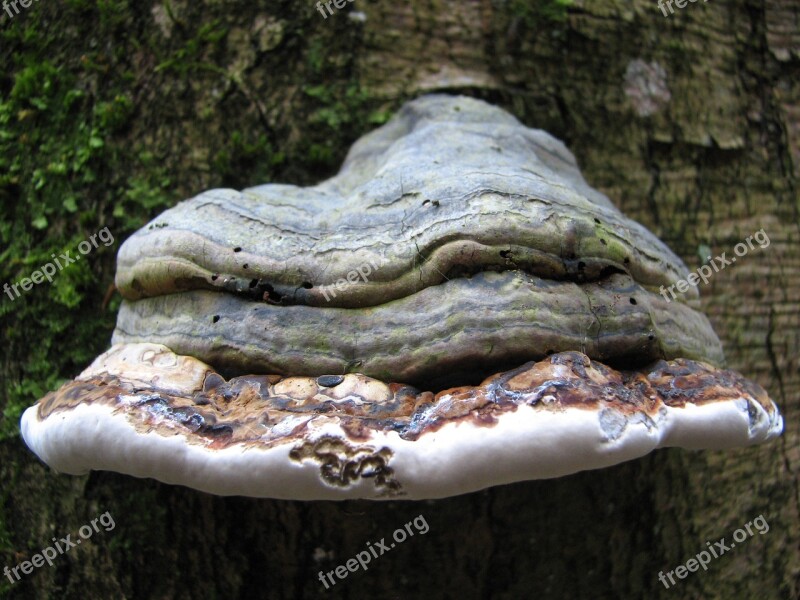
[[690, 123]]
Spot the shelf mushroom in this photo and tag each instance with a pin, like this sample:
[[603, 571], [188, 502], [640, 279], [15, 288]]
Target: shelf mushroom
[[455, 309]]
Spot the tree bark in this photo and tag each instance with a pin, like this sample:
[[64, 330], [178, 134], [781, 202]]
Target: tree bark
[[690, 123]]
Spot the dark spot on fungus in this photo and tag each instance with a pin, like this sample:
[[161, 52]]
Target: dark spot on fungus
[[633, 301], [237, 249], [212, 382], [330, 380], [610, 270], [215, 319], [218, 431], [269, 294]]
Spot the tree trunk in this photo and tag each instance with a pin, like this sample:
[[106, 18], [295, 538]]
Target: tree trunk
[[690, 123]]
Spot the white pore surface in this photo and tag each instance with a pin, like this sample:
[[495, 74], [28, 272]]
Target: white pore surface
[[529, 443]]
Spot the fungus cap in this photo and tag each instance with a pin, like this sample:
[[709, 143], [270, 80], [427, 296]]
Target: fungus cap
[[456, 309]]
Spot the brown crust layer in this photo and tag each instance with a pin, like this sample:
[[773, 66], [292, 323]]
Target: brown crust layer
[[272, 410]]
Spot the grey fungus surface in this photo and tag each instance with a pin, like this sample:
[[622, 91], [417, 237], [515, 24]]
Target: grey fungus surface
[[456, 309], [454, 240], [479, 325], [450, 185]]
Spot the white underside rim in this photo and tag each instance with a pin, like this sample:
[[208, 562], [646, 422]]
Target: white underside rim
[[525, 444]]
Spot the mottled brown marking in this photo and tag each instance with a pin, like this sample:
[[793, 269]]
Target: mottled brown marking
[[343, 465], [249, 410]]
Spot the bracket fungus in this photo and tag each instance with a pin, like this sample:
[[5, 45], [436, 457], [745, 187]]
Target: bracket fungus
[[457, 252]]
